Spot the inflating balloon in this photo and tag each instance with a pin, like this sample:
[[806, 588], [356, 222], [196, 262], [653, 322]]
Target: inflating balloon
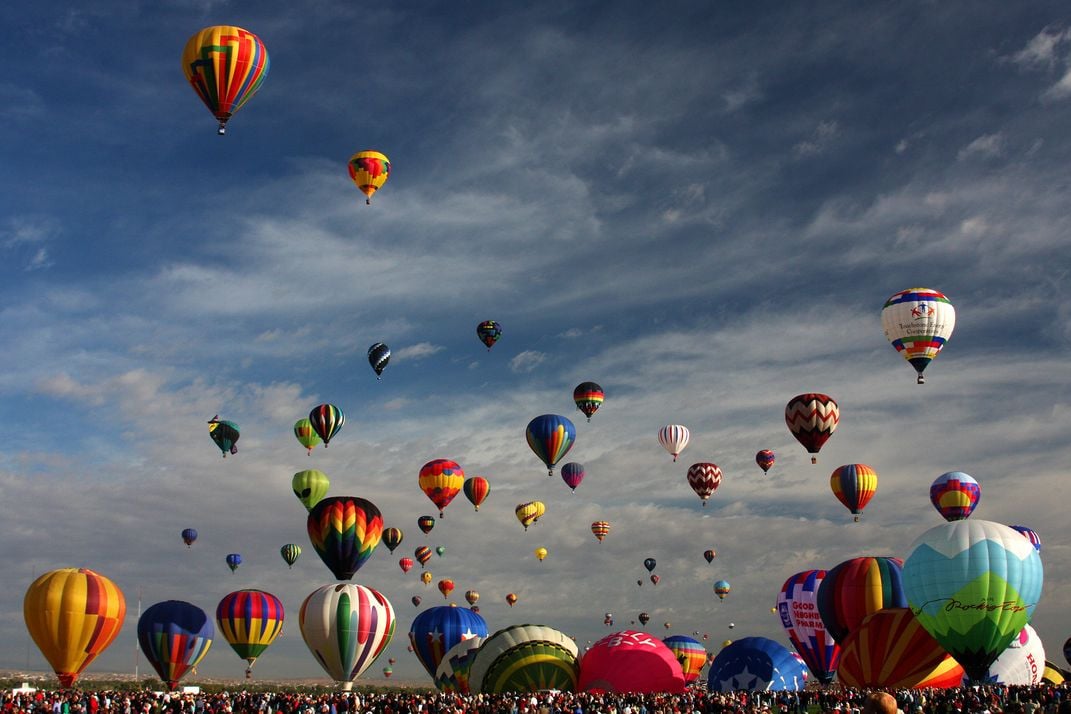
[[437, 629], [890, 649], [369, 170], [690, 654], [525, 658], [226, 66], [631, 661], [797, 604], [918, 322], [856, 588], [755, 664], [452, 674], [174, 636]]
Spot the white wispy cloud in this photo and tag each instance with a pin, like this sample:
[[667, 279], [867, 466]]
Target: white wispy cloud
[[527, 361], [987, 146], [417, 351]]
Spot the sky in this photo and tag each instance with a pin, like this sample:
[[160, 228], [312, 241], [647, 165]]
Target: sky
[[700, 206]]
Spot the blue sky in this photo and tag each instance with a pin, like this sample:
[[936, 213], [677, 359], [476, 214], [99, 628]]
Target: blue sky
[[701, 207]]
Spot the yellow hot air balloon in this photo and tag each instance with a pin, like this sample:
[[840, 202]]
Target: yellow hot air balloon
[[225, 65], [426, 577], [540, 553], [73, 614], [530, 512], [369, 171]]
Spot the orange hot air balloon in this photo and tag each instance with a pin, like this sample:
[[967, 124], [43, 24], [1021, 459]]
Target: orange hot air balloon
[[891, 649], [441, 480], [476, 490], [854, 485], [600, 529], [73, 614], [446, 586], [225, 65], [511, 599]]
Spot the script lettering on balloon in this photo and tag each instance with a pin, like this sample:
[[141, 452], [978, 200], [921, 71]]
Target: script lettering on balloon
[[952, 603]]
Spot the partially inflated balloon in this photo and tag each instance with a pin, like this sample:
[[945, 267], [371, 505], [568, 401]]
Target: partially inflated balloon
[[704, 478], [290, 553], [854, 485], [224, 434], [476, 489], [437, 629], [174, 636], [856, 588], [630, 661], [189, 535], [973, 585], [673, 438], [1022, 663], [326, 420], [955, 495], [306, 435], [573, 473], [489, 333], [600, 529], [588, 397], [690, 654], [346, 627], [755, 664], [369, 170], [392, 538], [72, 614], [452, 674], [797, 605], [441, 480], [378, 357], [918, 322], [890, 649], [525, 658], [250, 620], [225, 65], [812, 418], [550, 437], [765, 459], [345, 531], [310, 486]]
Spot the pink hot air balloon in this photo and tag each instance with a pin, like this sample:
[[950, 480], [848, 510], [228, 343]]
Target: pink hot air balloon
[[573, 474], [630, 661]]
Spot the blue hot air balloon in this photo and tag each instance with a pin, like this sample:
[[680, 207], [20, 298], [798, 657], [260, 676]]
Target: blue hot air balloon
[[174, 635], [437, 629], [550, 436], [756, 664]]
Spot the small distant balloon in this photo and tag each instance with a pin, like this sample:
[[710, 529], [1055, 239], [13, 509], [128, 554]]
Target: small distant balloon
[[224, 434], [306, 435], [1031, 535], [655, 579], [422, 554], [369, 170], [649, 563], [588, 397], [511, 599], [405, 564], [489, 333], [530, 512], [446, 586], [572, 474], [425, 577], [550, 436], [233, 561], [189, 535], [704, 478], [416, 603], [600, 529], [721, 589], [378, 357], [392, 538], [290, 553], [673, 438], [955, 495], [310, 486], [854, 485], [812, 418], [540, 554], [765, 459], [709, 554], [326, 420], [918, 322], [476, 489], [426, 523]]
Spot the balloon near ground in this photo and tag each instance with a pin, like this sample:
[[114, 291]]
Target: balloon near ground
[[174, 636], [525, 658], [250, 620], [437, 629], [918, 322], [890, 649], [226, 66], [973, 585], [630, 661], [690, 653], [345, 531], [452, 674], [755, 664], [1022, 664], [955, 495], [369, 170], [346, 627], [797, 603], [856, 588], [72, 615], [812, 418], [550, 436]]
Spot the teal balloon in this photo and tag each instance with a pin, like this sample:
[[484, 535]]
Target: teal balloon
[[973, 585]]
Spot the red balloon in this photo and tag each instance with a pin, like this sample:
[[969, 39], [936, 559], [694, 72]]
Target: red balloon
[[630, 661]]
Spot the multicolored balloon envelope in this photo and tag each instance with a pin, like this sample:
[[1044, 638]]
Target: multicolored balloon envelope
[[525, 658], [306, 435], [1022, 664], [224, 434], [890, 649], [438, 629], [572, 474], [1030, 534], [441, 480], [346, 627], [756, 664], [812, 418], [854, 485], [174, 636], [326, 420], [797, 603], [588, 397], [452, 675], [630, 661], [973, 585], [690, 653], [955, 495], [369, 170], [250, 620], [600, 529], [765, 459], [73, 614], [392, 538], [856, 588], [918, 322], [345, 531], [550, 436], [476, 489], [225, 65], [489, 333]]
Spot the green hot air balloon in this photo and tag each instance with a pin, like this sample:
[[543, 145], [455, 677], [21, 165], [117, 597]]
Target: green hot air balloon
[[290, 552], [310, 486]]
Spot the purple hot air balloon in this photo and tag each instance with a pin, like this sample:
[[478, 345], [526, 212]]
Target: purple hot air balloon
[[573, 474]]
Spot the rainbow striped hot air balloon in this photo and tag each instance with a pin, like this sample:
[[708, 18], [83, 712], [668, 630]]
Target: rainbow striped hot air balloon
[[854, 485], [225, 65], [690, 653], [550, 437], [345, 530], [452, 674], [955, 495], [250, 620], [441, 480], [588, 397], [856, 588], [890, 649], [174, 636]]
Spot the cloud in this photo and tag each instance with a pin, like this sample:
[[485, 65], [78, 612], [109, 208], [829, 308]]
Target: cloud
[[1049, 50], [819, 141], [527, 361], [417, 351], [987, 146]]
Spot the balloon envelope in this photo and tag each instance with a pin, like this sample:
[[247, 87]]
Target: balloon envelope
[[489, 333], [812, 418], [918, 322], [765, 459], [437, 629], [690, 653], [755, 664], [955, 495], [573, 473], [550, 437], [290, 553], [369, 170], [797, 603], [854, 485], [476, 489], [174, 636], [441, 480], [704, 478], [225, 65], [310, 486], [326, 420], [600, 529], [189, 535], [588, 397], [673, 438], [452, 674], [630, 661], [346, 627], [73, 614], [525, 658], [345, 531], [250, 620], [306, 435], [890, 649], [1022, 663], [392, 538], [856, 588], [378, 357]]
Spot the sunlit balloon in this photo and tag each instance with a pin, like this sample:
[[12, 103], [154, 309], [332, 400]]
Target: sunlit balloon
[[600, 529], [224, 434], [529, 513], [441, 480], [290, 553], [233, 560], [369, 170], [918, 322], [174, 636], [476, 489], [856, 588], [378, 358], [550, 436], [392, 538], [437, 629], [540, 554], [674, 438], [854, 485], [812, 418], [525, 658], [690, 654], [72, 614], [306, 435], [489, 333], [346, 627], [797, 605], [572, 474], [472, 597], [631, 661], [250, 620], [765, 459], [955, 495], [189, 535], [226, 66], [344, 530], [425, 577], [588, 397], [890, 649], [756, 664], [704, 478], [326, 420], [310, 486]]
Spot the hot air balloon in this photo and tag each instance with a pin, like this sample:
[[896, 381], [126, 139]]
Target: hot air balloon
[[306, 435], [529, 513], [345, 531], [1030, 534], [310, 486], [856, 588], [422, 554], [387, 672], [655, 579], [346, 627], [416, 603], [600, 529], [224, 434], [425, 577], [290, 552], [446, 586], [249, 620], [854, 485], [378, 357], [755, 664], [440, 550], [689, 653], [955, 495], [608, 619], [405, 564], [918, 322], [174, 636], [326, 420], [72, 614], [369, 170], [550, 436], [973, 585], [812, 418], [476, 490], [573, 474], [392, 538], [441, 480], [426, 523], [890, 649], [704, 478], [1022, 663], [709, 554], [721, 589], [489, 333], [233, 561], [472, 597], [511, 599], [588, 397], [225, 65], [765, 459], [437, 629], [673, 438], [650, 564], [525, 658], [540, 554], [189, 535], [644, 618], [452, 674], [631, 661], [797, 604]]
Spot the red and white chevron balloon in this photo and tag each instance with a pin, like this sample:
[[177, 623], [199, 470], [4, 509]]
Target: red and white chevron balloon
[[704, 479]]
